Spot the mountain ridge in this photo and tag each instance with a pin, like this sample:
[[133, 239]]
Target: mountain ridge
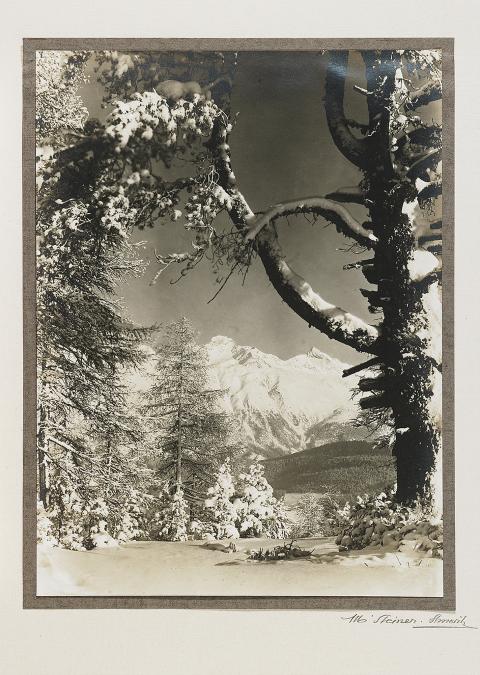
[[283, 405]]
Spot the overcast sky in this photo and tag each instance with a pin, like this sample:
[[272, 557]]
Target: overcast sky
[[281, 149]]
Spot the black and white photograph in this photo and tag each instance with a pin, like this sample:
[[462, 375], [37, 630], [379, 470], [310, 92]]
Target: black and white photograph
[[239, 323]]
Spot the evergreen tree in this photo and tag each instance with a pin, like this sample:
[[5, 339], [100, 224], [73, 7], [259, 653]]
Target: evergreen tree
[[85, 345], [171, 520], [259, 513], [58, 104], [189, 433], [220, 510]]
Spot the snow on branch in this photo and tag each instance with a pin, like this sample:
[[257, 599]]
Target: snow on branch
[[354, 149], [353, 194], [328, 209], [431, 91], [335, 322]]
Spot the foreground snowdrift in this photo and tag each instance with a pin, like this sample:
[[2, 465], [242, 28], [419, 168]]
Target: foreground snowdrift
[[193, 568]]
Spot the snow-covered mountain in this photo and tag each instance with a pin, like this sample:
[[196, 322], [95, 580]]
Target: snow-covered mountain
[[283, 406]]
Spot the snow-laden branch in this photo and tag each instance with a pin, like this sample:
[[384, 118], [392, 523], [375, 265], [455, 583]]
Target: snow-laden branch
[[431, 91], [328, 209], [429, 137], [62, 444], [71, 449], [430, 191], [354, 149], [423, 265], [333, 321], [351, 194], [422, 163]]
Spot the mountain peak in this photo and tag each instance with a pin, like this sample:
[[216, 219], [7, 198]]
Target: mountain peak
[[316, 353], [219, 340], [281, 404]]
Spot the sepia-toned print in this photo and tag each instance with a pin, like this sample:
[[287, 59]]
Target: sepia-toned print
[[211, 421]]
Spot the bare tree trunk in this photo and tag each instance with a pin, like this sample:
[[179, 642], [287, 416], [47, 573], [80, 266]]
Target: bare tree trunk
[[178, 464], [109, 466], [42, 444]]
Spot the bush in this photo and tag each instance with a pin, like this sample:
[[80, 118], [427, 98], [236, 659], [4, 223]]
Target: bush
[[284, 552], [45, 529], [66, 511], [316, 515], [171, 520], [252, 512], [130, 522], [258, 512], [218, 506], [76, 513], [380, 521]]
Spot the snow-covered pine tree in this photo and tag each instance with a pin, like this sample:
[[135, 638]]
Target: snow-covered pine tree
[[45, 528], [259, 513], [189, 433], [120, 471], [171, 519], [220, 511], [84, 343], [58, 106]]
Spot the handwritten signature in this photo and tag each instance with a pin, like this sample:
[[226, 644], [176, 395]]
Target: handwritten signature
[[435, 621]]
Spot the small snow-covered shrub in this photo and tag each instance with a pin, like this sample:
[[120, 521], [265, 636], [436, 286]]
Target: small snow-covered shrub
[[129, 527], [170, 522], [379, 520], [103, 540], [45, 528], [280, 525], [132, 520], [258, 512], [198, 529], [316, 515], [284, 552], [77, 514], [67, 512], [95, 514], [219, 508]]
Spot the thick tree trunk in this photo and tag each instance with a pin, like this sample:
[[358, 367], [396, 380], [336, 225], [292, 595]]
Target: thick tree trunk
[[409, 340]]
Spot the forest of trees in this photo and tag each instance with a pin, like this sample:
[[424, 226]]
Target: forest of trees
[[98, 181]]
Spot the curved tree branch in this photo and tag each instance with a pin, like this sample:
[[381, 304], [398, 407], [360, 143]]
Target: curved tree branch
[[334, 322], [421, 163], [293, 289], [351, 194], [430, 137], [430, 191], [354, 149], [330, 210]]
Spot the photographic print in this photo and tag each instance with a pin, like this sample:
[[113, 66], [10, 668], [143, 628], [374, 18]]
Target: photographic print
[[238, 320]]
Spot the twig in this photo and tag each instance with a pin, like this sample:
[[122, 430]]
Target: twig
[[224, 283]]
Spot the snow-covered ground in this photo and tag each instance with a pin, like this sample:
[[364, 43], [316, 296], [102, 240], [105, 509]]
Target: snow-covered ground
[[196, 568]]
